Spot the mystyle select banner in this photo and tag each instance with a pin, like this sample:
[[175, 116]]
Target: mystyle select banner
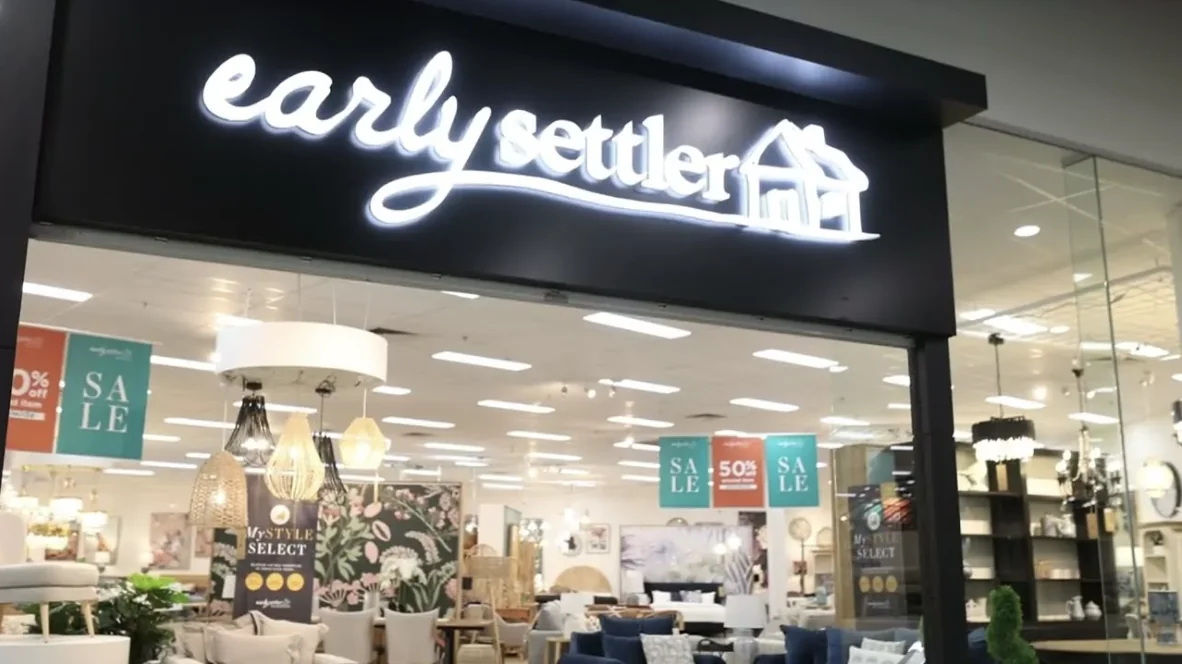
[[275, 576], [878, 517]]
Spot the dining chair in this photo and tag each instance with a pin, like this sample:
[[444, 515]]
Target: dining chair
[[410, 637], [350, 634]]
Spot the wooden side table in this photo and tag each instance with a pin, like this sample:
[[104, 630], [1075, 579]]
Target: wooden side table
[[555, 647]]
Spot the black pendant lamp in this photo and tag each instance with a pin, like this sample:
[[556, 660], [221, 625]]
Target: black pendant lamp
[[1000, 439], [333, 486], [251, 440]]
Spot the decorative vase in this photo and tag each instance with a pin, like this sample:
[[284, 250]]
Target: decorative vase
[[1075, 608]]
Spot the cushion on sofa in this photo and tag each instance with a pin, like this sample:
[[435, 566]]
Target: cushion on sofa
[[636, 626], [841, 640], [804, 646], [625, 649], [667, 649], [310, 635], [549, 617], [587, 643], [234, 647]]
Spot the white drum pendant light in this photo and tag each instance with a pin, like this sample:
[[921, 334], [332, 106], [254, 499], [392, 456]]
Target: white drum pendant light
[[292, 353], [294, 471], [363, 445]]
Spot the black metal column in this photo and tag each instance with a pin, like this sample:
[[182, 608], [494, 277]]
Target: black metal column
[[26, 37], [938, 509]]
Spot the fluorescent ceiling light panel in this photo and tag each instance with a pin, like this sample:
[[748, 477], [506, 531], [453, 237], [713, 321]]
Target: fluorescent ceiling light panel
[[643, 386], [646, 447], [1014, 325], [1143, 350], [197, 455], [1095, 346], [502, 487], [855, 435], [831, 446], [636, 325], [480, 361], [898, 406], [204, 424], [1171, 357], [453, 457], [901, 380], [181, 363], [730, 432], [414, 422], [764, 404], [902, 448], [1015, 402], [641, 478], [550, 456], [822, 464], [512, 405], [841, 368], [395, 458], [453, 447], [169, 464], [584, 484], [639, 422], [129, 472], [283, 408], [977, 314], [472, 464], [462, 296], [1092, 418], [228, 320], [361, 478], [1080, 276], [652, 465], [421, 472], [1059, 329], [574, 471], [55, 293], [155, 437], [537, 435], [799, 359], [839, 421], [391, 390], [500, 478]]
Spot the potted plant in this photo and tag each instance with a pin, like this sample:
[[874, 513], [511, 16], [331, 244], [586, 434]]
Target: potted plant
[[1004, 633], [136, 607]]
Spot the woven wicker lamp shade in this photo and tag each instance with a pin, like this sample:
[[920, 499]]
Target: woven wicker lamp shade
[[294, 471], [363, 445], [219, 494]]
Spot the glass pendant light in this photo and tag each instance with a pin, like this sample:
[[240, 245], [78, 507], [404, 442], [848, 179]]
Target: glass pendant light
[[1000, 439], [294, 471], [251, 439]]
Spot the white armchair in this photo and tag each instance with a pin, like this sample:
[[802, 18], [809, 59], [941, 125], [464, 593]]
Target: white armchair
[[350, 634], [415, 642]]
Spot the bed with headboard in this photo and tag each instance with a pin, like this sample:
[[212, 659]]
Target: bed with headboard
[[704, 617]]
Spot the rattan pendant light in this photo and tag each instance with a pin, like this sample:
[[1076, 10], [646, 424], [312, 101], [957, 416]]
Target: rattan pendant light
[[219, 494], [295, 471]]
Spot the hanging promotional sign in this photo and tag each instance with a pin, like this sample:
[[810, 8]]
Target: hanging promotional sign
[[275, 576], [738, 472], [877, 519], [792, 471], [36, 389], [685, 471], [105, 398]]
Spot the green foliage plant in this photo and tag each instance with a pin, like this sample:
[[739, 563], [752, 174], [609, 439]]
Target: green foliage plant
[[1004, 634]]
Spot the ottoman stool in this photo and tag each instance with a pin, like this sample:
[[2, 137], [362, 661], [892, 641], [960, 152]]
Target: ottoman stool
[[43, 583]]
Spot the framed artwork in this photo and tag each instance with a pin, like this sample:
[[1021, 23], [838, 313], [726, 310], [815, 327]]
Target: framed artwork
[[169, 537], [203, 542], [598, 538]]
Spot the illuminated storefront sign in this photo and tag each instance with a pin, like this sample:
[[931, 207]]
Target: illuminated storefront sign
[[790, 181]]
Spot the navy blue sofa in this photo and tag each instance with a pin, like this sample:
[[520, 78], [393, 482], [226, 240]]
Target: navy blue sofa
[[619, 642]]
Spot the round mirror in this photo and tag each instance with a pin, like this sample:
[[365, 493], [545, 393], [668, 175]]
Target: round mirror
[[570, 544]]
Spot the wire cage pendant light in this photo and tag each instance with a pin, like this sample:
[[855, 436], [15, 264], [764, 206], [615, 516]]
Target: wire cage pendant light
[[1001, 439], [333, 486], [294, 471], [251, 440]]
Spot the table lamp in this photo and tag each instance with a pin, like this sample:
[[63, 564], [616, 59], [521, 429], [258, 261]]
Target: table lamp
[[744, 615]]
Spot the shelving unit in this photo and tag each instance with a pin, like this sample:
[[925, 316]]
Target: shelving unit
[[1162, 562]]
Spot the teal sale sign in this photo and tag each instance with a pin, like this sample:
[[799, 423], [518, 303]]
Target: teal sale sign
[[792, 471], [685, 471], [105, 398]]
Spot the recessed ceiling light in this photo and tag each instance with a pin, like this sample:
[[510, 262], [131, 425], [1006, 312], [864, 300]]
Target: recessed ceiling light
[[536, 435], [463, 296], [831, 446], [1015, 402], [653, 465], [1014, 325], [837, 420], [549, 456], [414, 422], [1080, 276], [512, 405], [639, 422], [838, 369], [421, 472], [901, 380], [453, 457], [480, 361], [641, 478], [898, 406], [395, 458], [1059, 329], [502, 487], [977, 314], [1029, 230], [453, 447], [283, 408], [204, 424], [155, 437], [636, 325], [578, 472], [197, 455], [1092, 418], [55, 293], [500, 478], [130, 472], [799, 359], [764, 404], [228, 320], [169, 464], [855, 435], [629, 384], [390, 389], [181, 363]]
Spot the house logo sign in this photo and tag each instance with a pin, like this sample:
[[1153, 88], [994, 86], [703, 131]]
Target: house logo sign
[[789, 182]]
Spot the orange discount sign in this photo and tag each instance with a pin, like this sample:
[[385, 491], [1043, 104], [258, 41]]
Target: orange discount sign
[[36, 380], [738, 472]]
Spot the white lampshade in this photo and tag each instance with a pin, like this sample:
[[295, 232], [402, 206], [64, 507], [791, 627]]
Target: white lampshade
[[363, 445], [1155, 479], [745, 612], [294, 471]]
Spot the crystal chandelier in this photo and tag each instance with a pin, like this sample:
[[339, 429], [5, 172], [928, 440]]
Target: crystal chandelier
[[1001, 439], [1082, 474]]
